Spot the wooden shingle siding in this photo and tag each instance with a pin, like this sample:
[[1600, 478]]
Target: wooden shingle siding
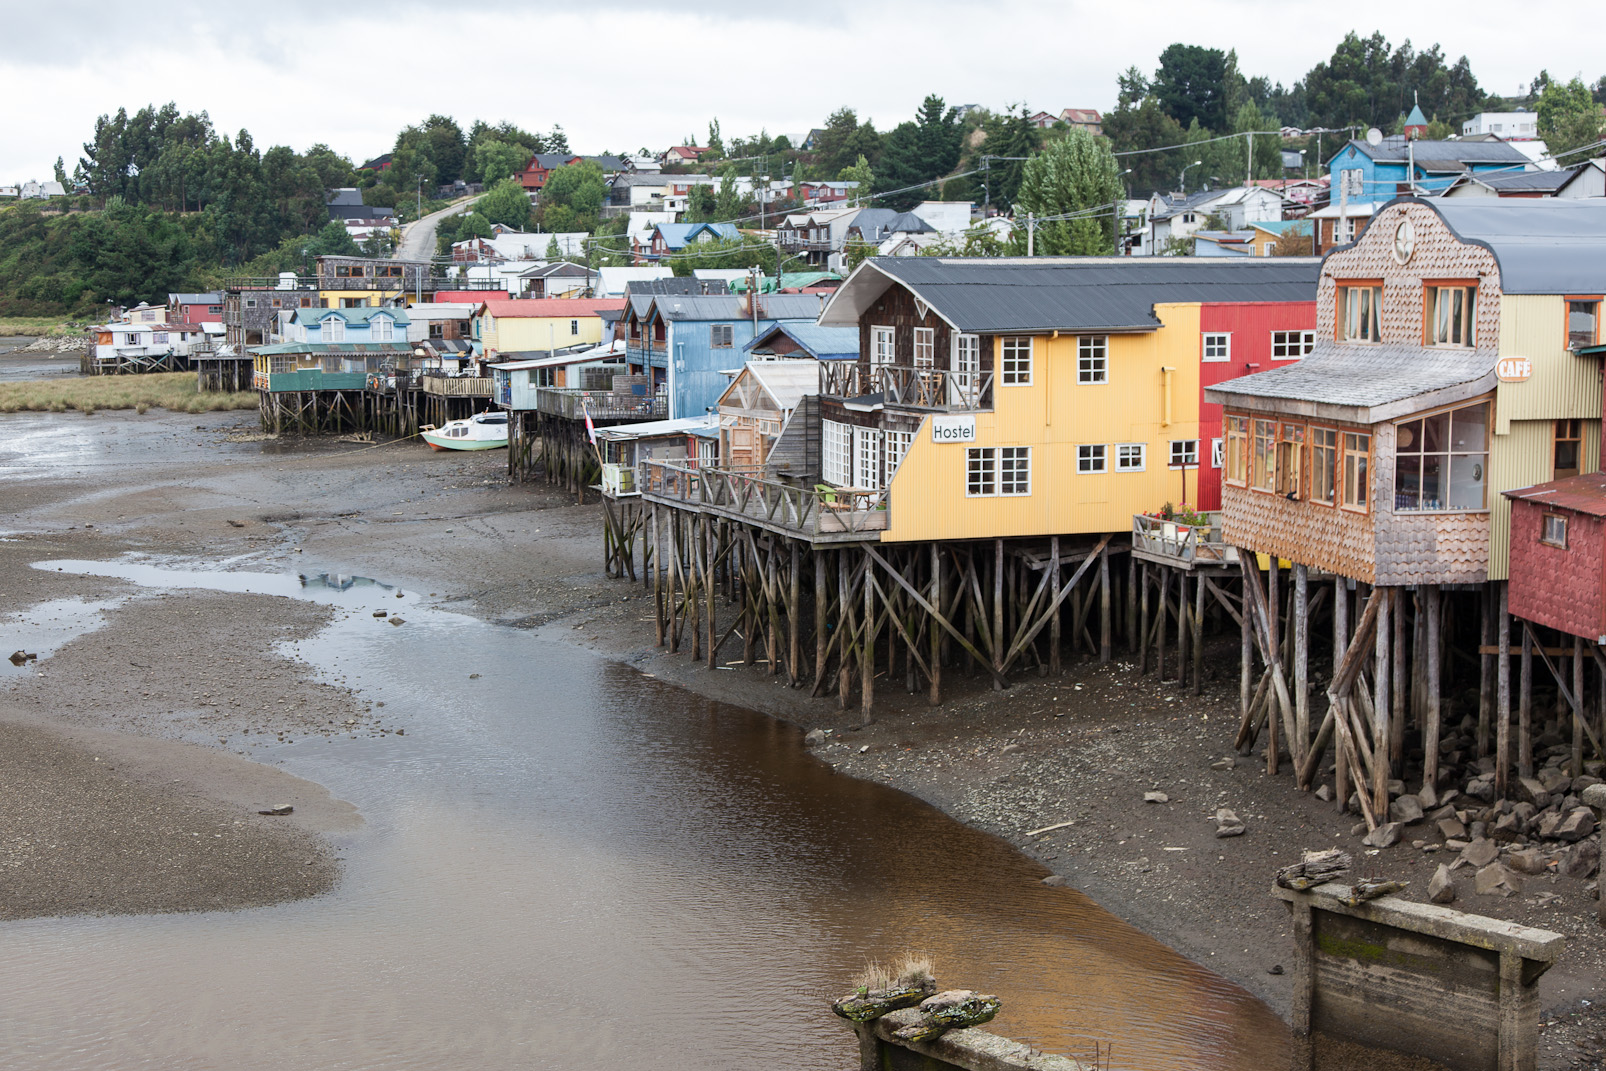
[[1421, 548], [896, 309]]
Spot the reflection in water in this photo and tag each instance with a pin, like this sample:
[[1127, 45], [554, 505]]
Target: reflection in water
[[570, 865], [41, 629]]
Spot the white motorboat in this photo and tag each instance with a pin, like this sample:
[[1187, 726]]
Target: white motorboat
[[482, 431]]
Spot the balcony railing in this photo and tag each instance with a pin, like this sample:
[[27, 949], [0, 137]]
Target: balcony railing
[[457, 386], [601, 404], [1200, 544], [791, 242], [747, 492], [915, 388]]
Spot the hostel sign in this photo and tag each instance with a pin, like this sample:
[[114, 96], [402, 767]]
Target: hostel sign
[[953, 429]]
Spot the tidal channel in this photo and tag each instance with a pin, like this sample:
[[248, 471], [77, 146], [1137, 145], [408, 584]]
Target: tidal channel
[[569, 864]]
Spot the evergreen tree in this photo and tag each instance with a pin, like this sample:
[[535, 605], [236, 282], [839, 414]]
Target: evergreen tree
[[1076, 176]]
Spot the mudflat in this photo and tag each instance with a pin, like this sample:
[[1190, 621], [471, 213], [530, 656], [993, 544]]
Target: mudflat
[[196, 680]]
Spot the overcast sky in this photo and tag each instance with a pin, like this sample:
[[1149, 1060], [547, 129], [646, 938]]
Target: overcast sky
[[623, 74]]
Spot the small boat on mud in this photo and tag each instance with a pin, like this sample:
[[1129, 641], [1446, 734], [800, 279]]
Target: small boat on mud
[[482, 431]]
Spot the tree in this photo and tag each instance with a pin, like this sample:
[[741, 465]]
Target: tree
[[1142, 127], [571, 200], [506, 203], [557, 140], [726, 253], [493, 160], [61, 172], [332, 241], [552, 250], [1011, 137], [716, 144], [843, 140], [1569, 118], [1294, 242], [1191, 83], [474, 225], [902, 165], [861, 173], [1075, 177]]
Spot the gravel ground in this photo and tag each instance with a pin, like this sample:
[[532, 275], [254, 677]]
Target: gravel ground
[[1082, 748]]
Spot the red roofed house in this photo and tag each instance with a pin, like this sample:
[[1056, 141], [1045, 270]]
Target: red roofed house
[[1087, 119], [684, 154], [527, 324]]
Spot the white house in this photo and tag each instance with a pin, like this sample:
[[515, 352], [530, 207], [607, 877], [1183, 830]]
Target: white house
[[1178, 216], [146, 339], [32, 190], [1511, 126]]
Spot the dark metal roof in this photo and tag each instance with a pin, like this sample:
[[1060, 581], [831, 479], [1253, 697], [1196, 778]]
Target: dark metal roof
[[1439, 155], [1583, 494], [1544, 245], [988, 295], [1526, 181]]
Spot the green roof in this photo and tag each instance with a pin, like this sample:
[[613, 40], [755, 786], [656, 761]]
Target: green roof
[[790, 280], [1280, 227], [351, 316]]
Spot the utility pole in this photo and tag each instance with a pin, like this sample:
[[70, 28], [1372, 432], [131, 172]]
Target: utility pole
[[1031, 234], [1249, 169]]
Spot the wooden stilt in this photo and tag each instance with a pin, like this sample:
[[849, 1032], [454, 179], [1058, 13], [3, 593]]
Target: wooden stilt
[[1198, 634], [1131, 604], [1143, 622], [936, 633], [1340, 645], [1525, 699], [867, 657], [794, 632], [1246, 657], [1486, 681], [1398, 695], [1431, 688], [1382, 670], [1301, 626], [1576, 767], [1054, 624], [821, 610], [1104, 602], [1502, 762], [844, 630]]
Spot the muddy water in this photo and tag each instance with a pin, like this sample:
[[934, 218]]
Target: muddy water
[[570, 865]]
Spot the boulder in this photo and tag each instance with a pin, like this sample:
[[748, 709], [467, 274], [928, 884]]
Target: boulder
[[1481, 852], [1441, 888], [1325, 793], [1384, 836], [1555, 782], [814, 738], [1526, 862], [1228, 824], [1156, 797], [1407, 810], [1428, 797], [1482, 788], [1452, 828], [1594, 796], [1575, 825], [1581, 860], [1532, 790], [1507, 829], [1496, 880]]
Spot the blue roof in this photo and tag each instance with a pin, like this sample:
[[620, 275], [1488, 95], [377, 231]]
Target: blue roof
[[678, 235], [1281, 227], [821, 343]]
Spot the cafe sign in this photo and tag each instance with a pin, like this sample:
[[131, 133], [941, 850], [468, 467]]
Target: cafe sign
[[953, 429], [1513, 369]]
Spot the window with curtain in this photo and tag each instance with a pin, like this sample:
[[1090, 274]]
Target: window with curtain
[[1263, 455], [1440, 460], [836, 455], [1323, 464], [1236, 451], [1451, 309], [1359, 309], [1357, 465]]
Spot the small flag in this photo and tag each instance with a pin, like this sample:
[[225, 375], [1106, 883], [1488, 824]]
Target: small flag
[[591, 429]]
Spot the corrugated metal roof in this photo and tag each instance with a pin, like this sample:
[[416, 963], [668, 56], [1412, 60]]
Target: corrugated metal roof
[[1544, 245], [551, 307], [989, 295], [334, 347], [1526, 181], [1373, 382], [1584, 494], [821, 343], [733, 307], [652, 429], [787, 381], [1438, 155]]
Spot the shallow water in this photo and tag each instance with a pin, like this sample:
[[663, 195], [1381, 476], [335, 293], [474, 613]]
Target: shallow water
[[568, 864]]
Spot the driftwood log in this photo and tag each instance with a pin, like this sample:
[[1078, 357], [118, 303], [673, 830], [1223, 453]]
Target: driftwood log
[[868, 1004], [949, 1010], [1314, 869]]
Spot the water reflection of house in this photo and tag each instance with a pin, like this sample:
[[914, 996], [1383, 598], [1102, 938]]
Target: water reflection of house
[[1447, 367]]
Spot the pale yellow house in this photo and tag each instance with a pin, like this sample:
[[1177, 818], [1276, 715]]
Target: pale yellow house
[[522, 325]]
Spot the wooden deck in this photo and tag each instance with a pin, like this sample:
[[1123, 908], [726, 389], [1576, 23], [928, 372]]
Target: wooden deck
[[458, 386], [1192, 548], [811, 512]]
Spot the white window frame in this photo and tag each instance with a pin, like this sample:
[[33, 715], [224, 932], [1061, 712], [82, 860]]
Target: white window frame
[[1218, 453], [836, 453], [966, 359], [1014, 471], [895, 445], [1092, 359], [867, 458], [1282, 342], [925, 356], [883, 347], [334, 329], [981, 472], [380, 329], [574, 328], [1190, 454], [1131, 457], [1092, 458], [1013, 369], [1218, 341]]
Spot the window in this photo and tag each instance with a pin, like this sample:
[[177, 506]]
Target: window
[[1451, 308], [379, 329], [1092, 359], [981, 471], [1323, 464], [1130, 457], [1015, 470], [250, 302], [1290, 458], [574, 328], [437, 330], [215, 310], [897, 444], [1237, 456], [867, 458], [836, 453], [1263, 455], [925, 347], [1015, 360], [1582, 317], [159, 338], [720, 335], [1357, 461], [967, 359], [1218, 453], [1554, 532], [334, 329], [1185, 453], [1569, 444], [1359, 307], [1090, 459], [1287, 345], [881, 347], [1217, 348], [1439, 460]]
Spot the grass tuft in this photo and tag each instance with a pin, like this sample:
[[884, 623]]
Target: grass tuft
[[908, 970], [174, 391]]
